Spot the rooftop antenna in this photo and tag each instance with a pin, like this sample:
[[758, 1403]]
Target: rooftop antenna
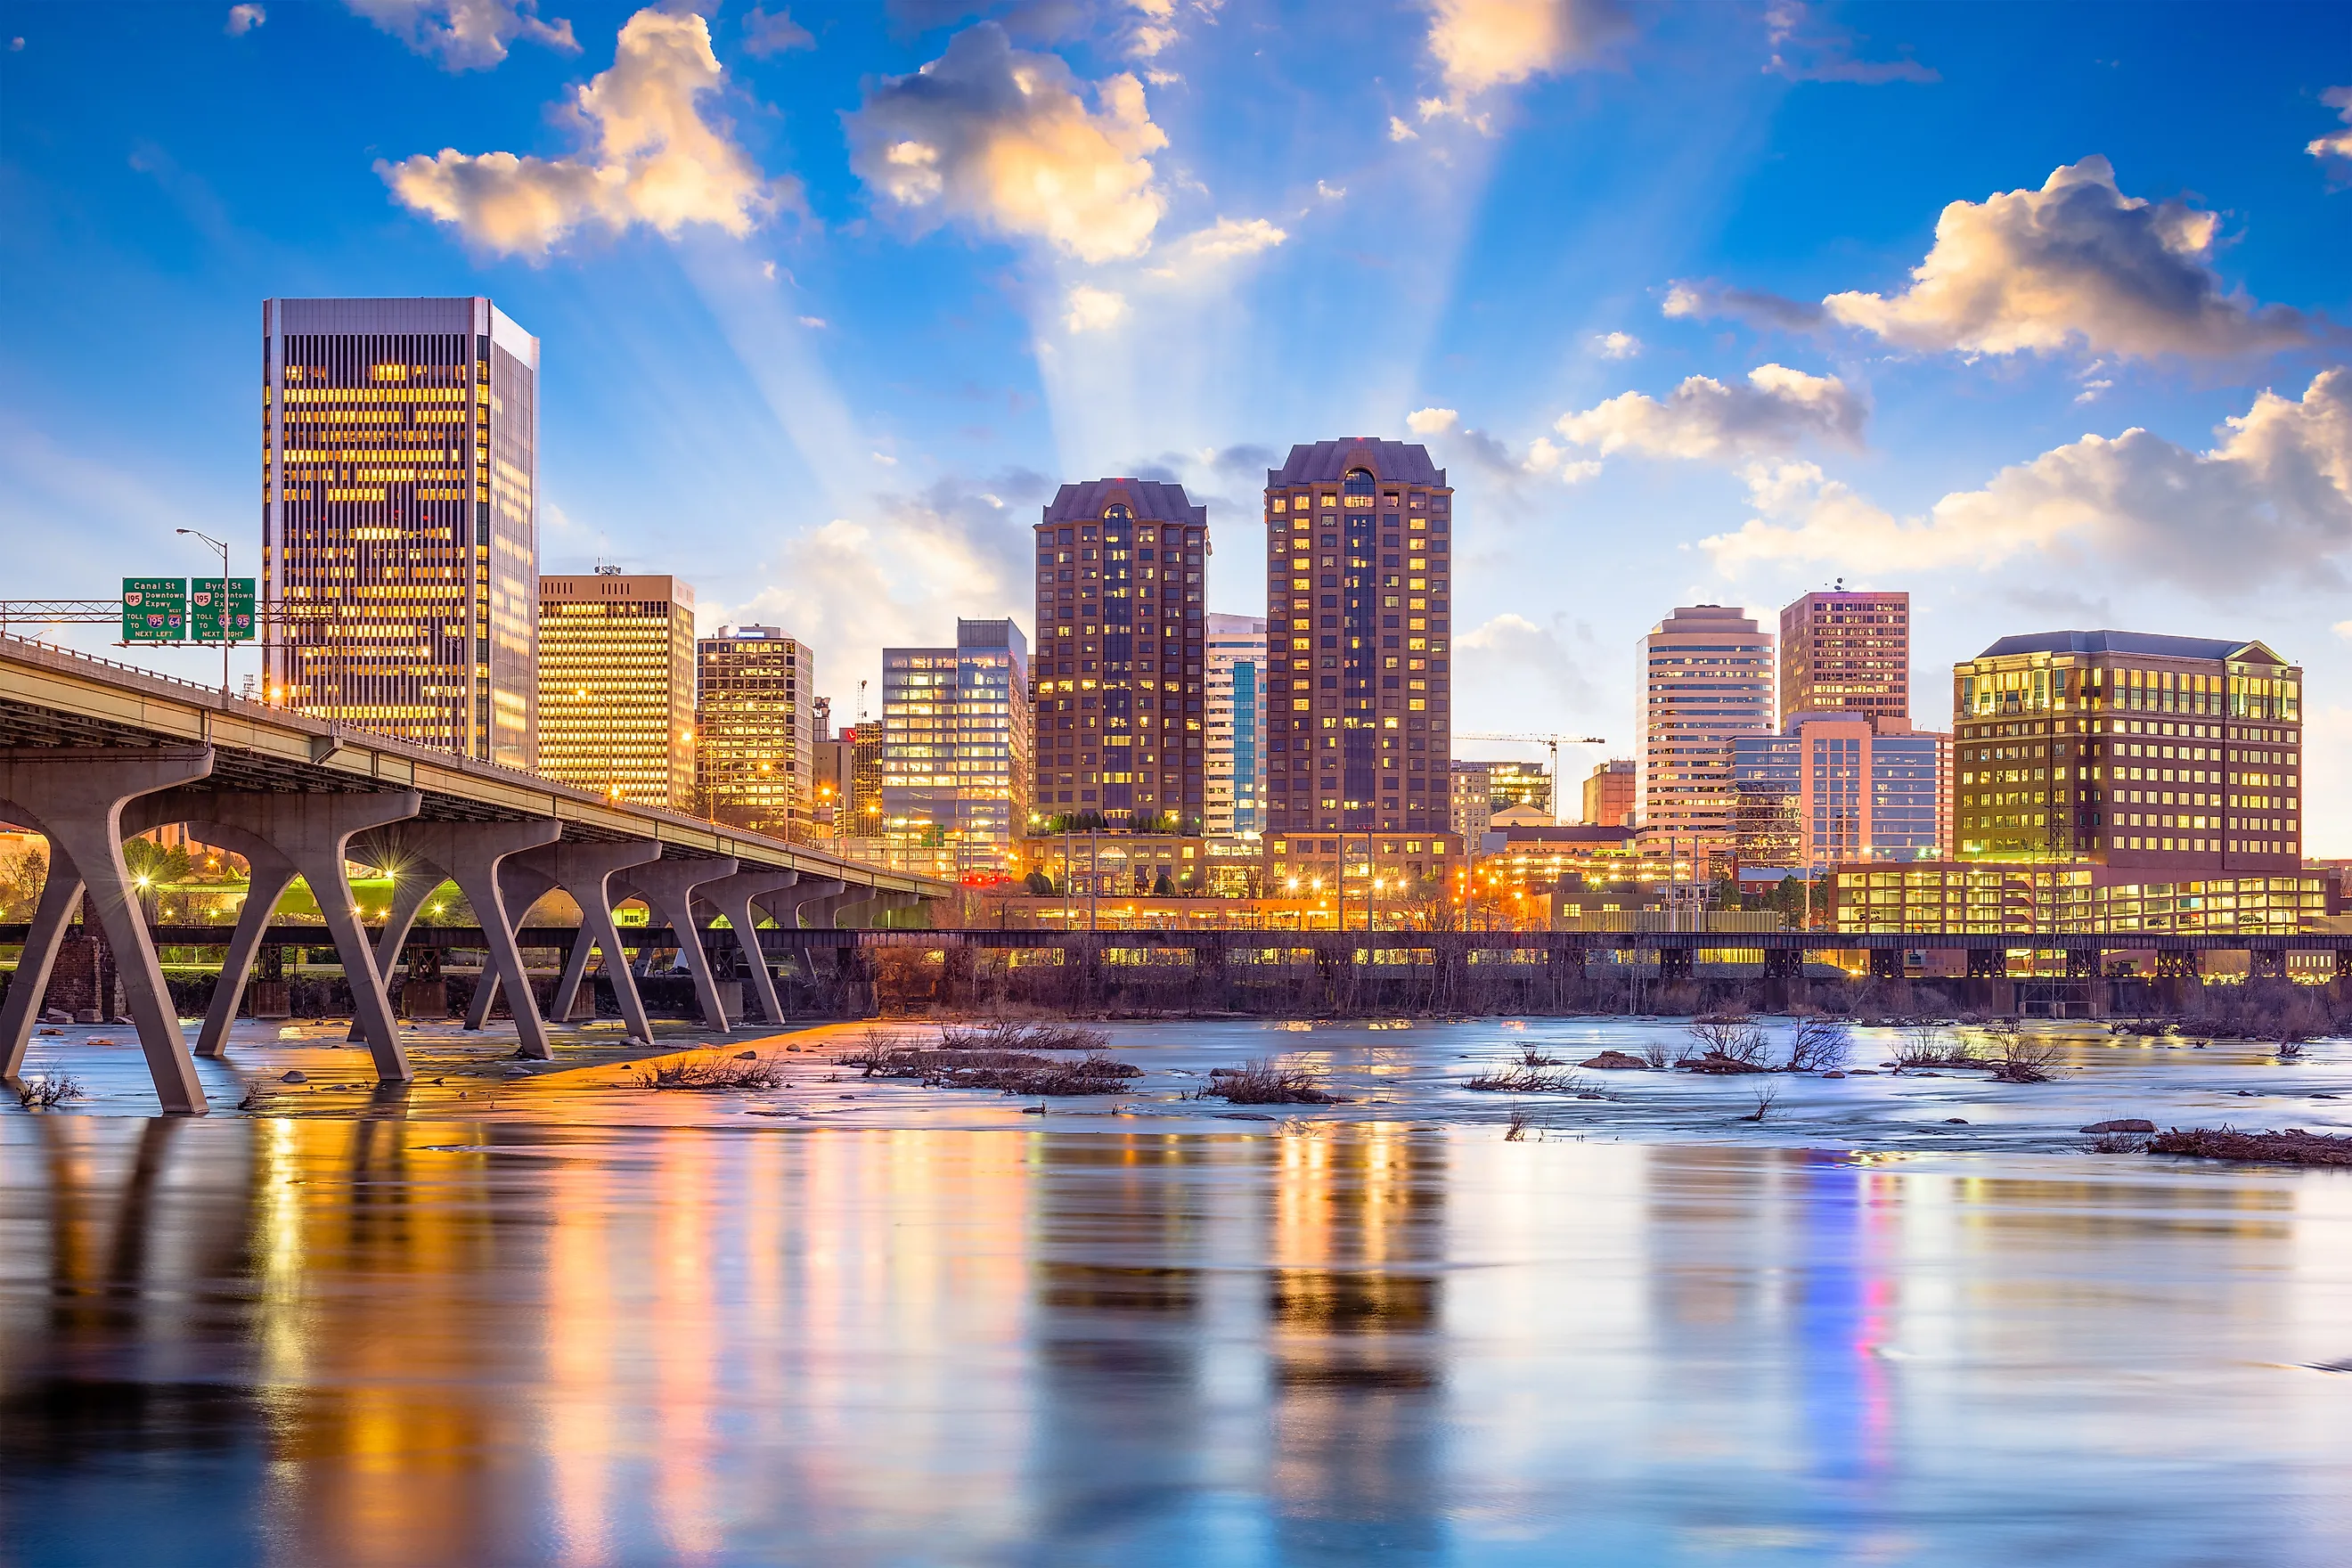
[[861, 705]]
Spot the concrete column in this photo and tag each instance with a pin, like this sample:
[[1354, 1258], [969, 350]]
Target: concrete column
[[268, 875], [59, 895], [586, 871], [471, 853], [667, 887], [808, 905], [74, 796], [733, 897], [314, 832]]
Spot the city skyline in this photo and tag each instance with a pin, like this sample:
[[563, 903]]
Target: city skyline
[[852, 382]]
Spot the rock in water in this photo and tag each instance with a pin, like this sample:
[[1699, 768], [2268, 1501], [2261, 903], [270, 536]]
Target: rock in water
[[2128, 1124], [295, 1077]]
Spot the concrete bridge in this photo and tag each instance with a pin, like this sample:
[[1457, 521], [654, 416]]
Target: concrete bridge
[[92, 751]]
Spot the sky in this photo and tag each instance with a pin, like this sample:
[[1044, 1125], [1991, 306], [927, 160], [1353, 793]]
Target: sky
[[2043, 313]]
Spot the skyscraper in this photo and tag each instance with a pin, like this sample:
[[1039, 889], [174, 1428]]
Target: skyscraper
[[1236, 731], [1120, 643], [1706, 677], [1847, 652], [755, 727], [1833, 788], [955, 749], [1357, 585], [400, 533], [616, 685], [2130, 750]]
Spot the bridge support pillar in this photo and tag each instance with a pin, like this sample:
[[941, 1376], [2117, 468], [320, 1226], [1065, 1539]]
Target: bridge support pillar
[[1886, 963], [586, 871], [2083, 962], [736, 897], [472, 854], [1987, 963], [1675, 964], [667, 887], [313, 834], [74, 797], [806, 905]]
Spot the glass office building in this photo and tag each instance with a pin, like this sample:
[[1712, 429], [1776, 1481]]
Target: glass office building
[[1236, 701], [956, 751], [616, 685], [755, 730], [1832, 789]]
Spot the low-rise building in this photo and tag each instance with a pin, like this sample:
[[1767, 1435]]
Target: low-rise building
[[1609, 799], [2021, 900]]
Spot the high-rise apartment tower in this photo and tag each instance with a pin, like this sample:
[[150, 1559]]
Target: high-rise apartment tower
[[1236, 731], [1120, 649], [616, 685], [755, 727], [1706, 676], [1847, 652], [1359, 584], [400, 533]]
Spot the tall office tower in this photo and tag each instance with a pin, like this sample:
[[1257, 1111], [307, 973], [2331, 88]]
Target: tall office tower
[[955, 749], [399, 507], [1609, 797], [1357, 578], [755, 722], [616, 685], [2129, 750], [1120, 646], [1844, 651], [864, 778], [1706, 677], [1237, 733]]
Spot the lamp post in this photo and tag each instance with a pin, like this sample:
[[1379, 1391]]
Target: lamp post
[[221, 545]]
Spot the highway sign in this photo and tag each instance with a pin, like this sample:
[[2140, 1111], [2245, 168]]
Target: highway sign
[[204, 610], [154, 609]]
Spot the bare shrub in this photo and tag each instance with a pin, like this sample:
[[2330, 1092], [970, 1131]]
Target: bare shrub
[[2290, 1050], [1817, 1045], [2291, 1147], [1767, 1096], [1658, 1054], [1516, 1130], [2116, 1143], [1717, 1033], [1522, 1079], [1014, 1035], [1011, 1073], [1530, 1056], [2025, 1061], [1927, 1044], [714, 1073], [1264, 1082], [48, 1093]]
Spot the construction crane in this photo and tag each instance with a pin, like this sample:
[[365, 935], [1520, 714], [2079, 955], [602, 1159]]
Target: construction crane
[[1551, 742]]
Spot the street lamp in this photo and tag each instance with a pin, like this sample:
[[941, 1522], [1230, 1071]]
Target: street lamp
[[221, 545]]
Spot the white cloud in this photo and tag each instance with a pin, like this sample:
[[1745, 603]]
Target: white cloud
[[1484, 44], [1544, 457], [1616, 345], [242, 19], [1330, 192], [1230, 237], [765, 36], [1704, 419], [2092, 389], [2074, 262], [1400, 131], [651, 158], [469, 35], [1087, 309], [2337, 144], [1006, 141], [1432, 421], [814, 323], [2270, 504], [1513, 653]]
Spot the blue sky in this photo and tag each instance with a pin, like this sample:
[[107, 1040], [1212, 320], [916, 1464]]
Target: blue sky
[[1697, 301]]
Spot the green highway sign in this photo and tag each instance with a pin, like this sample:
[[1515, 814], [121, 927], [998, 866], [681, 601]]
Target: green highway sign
[[154, 609], [204, 610]]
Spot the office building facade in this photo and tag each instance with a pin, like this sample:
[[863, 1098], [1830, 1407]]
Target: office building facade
[[400, 520], [616, 686], [956, 751], [1235, 737], [2146, 753], [755, 724], [1847, 652], [1707, 678], [1117, 684], [1609, 800], [1470, 799], [1833, 788]]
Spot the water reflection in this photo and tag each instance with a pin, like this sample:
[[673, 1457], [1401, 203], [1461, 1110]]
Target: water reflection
[[372, 1341]]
